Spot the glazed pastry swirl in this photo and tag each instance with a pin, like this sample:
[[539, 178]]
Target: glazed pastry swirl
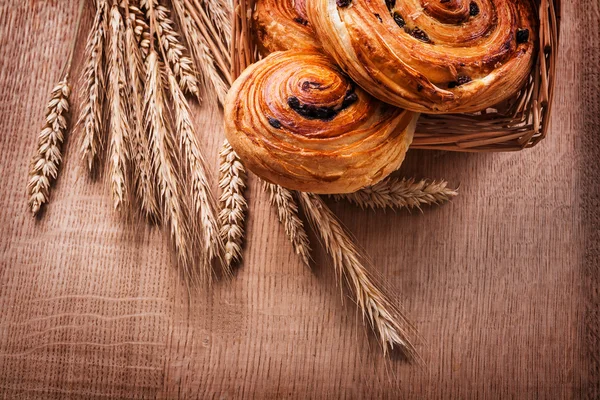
[[430, 56], [283, 25], [297, 121]]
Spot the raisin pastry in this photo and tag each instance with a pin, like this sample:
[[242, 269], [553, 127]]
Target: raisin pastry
[[296, 120], [282, 25], [445, 56]]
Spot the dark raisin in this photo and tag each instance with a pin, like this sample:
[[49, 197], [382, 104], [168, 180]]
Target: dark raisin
[[473, 9], [390, 4], [522, 35], [274, 122], [311, 112], [421, 35], [293, 102], [461, 80], [322, 113], [310, 85], [444, 1], [349, 99], [343, 3], [399, 20], [378, 17], [301, 21], [419, 87]]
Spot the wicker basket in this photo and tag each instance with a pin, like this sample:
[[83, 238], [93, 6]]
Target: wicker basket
[[515, 124]]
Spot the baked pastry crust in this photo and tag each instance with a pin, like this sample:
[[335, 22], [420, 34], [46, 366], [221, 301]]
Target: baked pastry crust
[[448, 56], [283, 25], [296, 120]]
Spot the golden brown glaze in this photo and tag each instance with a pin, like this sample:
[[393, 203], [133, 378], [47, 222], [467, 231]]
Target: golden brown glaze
[[430, 56], [297, 121], [283, 25]]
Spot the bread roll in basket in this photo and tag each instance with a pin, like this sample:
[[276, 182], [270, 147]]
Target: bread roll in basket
[[448, 56], [296, 120]]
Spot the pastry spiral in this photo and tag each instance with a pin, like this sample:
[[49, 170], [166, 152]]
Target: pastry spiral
[[297, 121], [430, 56], [282, 25]]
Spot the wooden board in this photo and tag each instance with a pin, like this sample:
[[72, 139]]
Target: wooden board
[[503, 283]]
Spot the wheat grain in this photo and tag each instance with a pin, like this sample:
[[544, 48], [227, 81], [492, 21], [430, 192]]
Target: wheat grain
[[287, 211], [91, 112], [233, 205], [46, 162], [163, 156], [117, 101], [203, 203], [144, 182], [400, 193], [175, 51], [390, 325]]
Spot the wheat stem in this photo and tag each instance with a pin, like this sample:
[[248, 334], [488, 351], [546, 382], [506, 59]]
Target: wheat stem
[[219, 52], [91, 112], [400, 193], [201, 54], [220, 12], [117, 101], [287, 211], [233, 205], [386, 320], [46, 162]]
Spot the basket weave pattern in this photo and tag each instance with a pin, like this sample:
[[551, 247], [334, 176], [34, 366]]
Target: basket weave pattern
[[515, 124]]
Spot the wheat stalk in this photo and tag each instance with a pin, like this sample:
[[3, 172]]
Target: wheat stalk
[[203, 202], [233, 205], [117, 101], [287, 211], [91, 112], [46, 162], [214, 40], [175, 51], [400, 193], [144, 182], [201, 53], [386, 320], [220, 12], [163, 154]]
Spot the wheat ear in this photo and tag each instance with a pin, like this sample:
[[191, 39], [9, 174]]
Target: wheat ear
[[46, 162], [201, 54], [233, 204], [118, 95], [287, 211], [203, 202], [386, 320], [175, 51], [400, 193], [140, 28], [163, 154], [144, 182], [91, 112]]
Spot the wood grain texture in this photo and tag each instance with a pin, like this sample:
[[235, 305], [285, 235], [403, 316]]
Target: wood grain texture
[[503, 283]]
